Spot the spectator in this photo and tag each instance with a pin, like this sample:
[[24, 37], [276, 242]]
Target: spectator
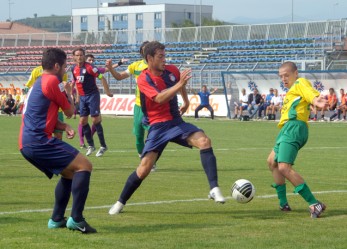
[[267, 103], [3, 99], [10, 105], [242, 105], [21, 101], [205, 102], [332, 103], [276, 103], [254, 102], [341, 107]]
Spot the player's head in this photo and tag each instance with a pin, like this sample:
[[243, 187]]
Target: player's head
[[142, 47], [243, 91], [154, 54], [54, 60], [204, 88], [288, 73], [79, 55], [90, 58]]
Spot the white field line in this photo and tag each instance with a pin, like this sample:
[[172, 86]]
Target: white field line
[[158, 203]]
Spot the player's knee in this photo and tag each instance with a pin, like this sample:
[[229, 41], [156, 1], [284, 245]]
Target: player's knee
[[284, 168], [204, 142]]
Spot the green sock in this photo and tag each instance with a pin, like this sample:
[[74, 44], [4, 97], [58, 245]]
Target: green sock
[[306, 193], [281, 193]]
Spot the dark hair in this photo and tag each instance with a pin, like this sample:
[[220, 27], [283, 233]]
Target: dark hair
[[290, 64], [78, 49], [90, 56], [142, 47], [51, 56], [151, 48]]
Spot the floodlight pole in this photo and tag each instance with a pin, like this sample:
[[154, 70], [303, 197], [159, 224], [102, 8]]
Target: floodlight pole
[[9, 9]]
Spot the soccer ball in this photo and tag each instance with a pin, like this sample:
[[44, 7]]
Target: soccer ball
[[242, 191]]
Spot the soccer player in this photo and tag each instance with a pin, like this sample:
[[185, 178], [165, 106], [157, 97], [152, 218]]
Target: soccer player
[[293, 136], [88, 96], [49, 154], [159, 85], [204, 101], [36, 73], [139, 127]]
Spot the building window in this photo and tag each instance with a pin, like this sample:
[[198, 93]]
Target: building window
[[101, 18], [139, 17], [116, 18], [84, 19], [157, 16], [124, 18]]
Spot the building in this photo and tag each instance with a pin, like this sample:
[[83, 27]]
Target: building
[[131, 16]]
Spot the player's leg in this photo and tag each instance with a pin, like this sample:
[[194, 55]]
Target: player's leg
[[209, 107], [138, 129], [134, 181], [81, 136], [197, 110], [84, 113], [209, 163]]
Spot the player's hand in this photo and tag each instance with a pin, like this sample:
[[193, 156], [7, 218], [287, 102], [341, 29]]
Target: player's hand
[[70, 133], [185, 76], [108, 93], [109, 63], [67, 87], [123, 60]]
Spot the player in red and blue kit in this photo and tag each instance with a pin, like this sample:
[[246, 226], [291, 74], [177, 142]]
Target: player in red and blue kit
[[159, 85], [49, 154], [84, 75]]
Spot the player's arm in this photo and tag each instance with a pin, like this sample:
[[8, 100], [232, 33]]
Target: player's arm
[[165, 96], [319, 101], [105, 85], [117, 75], [214, 90], [185, 98], [68, 90], [70, 133], [120, 62]]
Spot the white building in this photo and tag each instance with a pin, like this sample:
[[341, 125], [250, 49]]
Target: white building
[[136, 16]]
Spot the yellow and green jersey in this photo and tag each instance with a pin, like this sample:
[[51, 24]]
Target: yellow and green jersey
[[296, 104], [37, 72], [135, 69]]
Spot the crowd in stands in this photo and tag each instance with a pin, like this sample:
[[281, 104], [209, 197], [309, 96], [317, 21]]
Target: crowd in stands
[[268, 106], [11, 101]]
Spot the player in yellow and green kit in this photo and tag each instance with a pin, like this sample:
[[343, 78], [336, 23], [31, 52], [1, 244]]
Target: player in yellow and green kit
[[139, 127], [35, 73], [293, 136]]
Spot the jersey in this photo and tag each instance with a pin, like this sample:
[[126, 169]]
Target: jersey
[[85, 78], [150, 86], [135, 69], [296, 104], [37, 72], [40, 112], [204, 96]]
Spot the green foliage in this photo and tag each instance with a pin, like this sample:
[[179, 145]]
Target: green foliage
[[50, 23], [170, 209]]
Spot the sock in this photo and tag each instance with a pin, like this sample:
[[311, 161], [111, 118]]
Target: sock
[[281, 193], [100, 132], [80, 189], [87, 132], [338, 113], [333, 116], [93, 130], [130, 187], [62, 197], [209, 164], [322, 116], [315, 116], [306, 193], [344, 117], [80, 134]]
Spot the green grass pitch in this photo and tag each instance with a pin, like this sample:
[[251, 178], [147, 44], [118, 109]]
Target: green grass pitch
[[170, 209]]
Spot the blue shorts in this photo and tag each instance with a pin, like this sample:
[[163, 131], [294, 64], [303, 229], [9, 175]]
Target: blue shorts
[[160, 134], [90, 105], [51, 157]]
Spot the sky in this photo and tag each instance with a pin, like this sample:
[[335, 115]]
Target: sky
[[244, 11]]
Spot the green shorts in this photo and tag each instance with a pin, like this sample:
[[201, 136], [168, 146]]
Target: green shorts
[[61, 118], [139, 128], [292, 137]]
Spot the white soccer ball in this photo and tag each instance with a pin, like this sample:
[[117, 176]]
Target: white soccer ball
[[242, 191]]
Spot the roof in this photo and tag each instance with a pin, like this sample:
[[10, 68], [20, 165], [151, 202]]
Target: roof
[[18, 28]]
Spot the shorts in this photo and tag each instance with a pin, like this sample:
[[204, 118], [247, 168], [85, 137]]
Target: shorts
[[51, 157], [160, 134], [139, 127], [90, 105], [60, 118], [244, 107], [292, 137]]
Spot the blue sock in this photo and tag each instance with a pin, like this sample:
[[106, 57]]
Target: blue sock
[[100, 132], [88, 134], [130, 187], [209, 164], [80, 189], [62, 197]]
